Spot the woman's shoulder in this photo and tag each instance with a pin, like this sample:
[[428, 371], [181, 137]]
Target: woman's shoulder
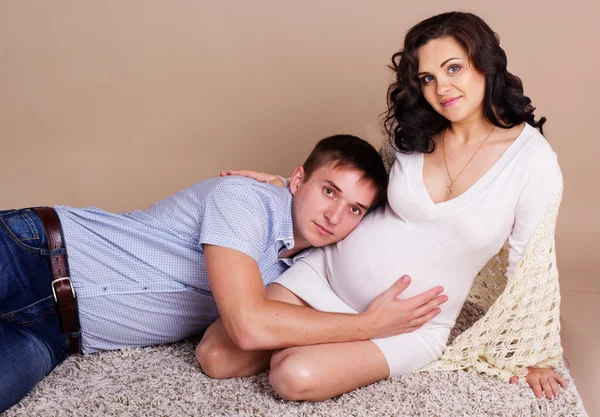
[[537, 151], [390, 155]]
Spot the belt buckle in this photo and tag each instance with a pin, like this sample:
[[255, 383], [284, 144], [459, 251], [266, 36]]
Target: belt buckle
[[59, 280]]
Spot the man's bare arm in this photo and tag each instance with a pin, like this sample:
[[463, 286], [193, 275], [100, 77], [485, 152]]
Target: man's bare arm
[[253, 322]]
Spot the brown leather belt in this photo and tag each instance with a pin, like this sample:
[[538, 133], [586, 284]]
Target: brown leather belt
[[62, 287]]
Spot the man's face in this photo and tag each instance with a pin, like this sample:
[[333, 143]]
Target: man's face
[[329, 205]]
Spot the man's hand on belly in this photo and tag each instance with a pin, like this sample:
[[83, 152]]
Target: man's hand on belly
[[388, 316]]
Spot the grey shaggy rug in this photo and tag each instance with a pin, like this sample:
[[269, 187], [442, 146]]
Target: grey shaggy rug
[[166, 381]]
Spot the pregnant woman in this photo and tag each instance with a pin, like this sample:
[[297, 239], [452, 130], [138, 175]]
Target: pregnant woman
[[471, 172]]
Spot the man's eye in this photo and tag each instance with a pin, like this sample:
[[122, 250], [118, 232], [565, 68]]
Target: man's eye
[[355, 210], [328, 192]]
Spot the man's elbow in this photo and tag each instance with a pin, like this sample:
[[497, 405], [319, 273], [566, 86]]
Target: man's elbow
[[247, 336]]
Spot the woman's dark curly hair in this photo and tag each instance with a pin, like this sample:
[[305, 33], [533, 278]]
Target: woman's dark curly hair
[[410, 121]]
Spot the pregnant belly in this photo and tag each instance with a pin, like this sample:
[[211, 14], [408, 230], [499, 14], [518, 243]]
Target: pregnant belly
[[374, 256]]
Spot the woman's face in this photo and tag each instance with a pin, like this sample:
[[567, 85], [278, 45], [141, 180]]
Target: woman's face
[[449, 82]]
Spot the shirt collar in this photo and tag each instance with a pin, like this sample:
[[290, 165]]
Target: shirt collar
[[285, 237], [302, 254]]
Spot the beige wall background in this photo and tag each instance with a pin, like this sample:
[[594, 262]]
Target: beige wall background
[[118, 104]]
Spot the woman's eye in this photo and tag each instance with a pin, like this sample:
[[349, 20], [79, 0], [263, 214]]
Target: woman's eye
[[355, 210], [453, 68], [426, 79], [328, 192]]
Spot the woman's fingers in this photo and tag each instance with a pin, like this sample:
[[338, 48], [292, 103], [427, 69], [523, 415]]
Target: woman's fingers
[[245, 173], [536, 387], [563, 382], [554, 387], [255, 175], [545, 383]]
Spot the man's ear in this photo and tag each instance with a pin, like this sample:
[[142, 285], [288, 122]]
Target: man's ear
[[296, 179]]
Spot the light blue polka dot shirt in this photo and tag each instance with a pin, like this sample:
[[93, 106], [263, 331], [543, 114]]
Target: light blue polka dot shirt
[[140, 277]]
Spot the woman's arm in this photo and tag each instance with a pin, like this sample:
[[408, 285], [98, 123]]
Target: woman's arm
[[533, 204]]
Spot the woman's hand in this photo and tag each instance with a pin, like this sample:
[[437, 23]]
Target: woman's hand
[[543, 381], [258, 176]]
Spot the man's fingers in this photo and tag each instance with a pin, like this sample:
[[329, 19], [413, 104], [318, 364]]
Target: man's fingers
[[397, 288], [431, 305], [514, 380], [425, 297], [424, 318]]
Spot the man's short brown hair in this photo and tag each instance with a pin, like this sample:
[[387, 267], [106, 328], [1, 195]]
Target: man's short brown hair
[[350, 152]]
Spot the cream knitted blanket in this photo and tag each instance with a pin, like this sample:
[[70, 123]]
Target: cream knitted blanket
[[521, 326]]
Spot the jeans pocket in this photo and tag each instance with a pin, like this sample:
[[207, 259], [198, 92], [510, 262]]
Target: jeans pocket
[[31, 314], [23, 227]]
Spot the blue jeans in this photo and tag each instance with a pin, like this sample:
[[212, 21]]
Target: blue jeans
[[31, 341]]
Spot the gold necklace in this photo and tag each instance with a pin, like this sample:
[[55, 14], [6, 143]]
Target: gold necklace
[[451, 187]]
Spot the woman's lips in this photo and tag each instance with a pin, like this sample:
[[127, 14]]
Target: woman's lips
[[450, 101]]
